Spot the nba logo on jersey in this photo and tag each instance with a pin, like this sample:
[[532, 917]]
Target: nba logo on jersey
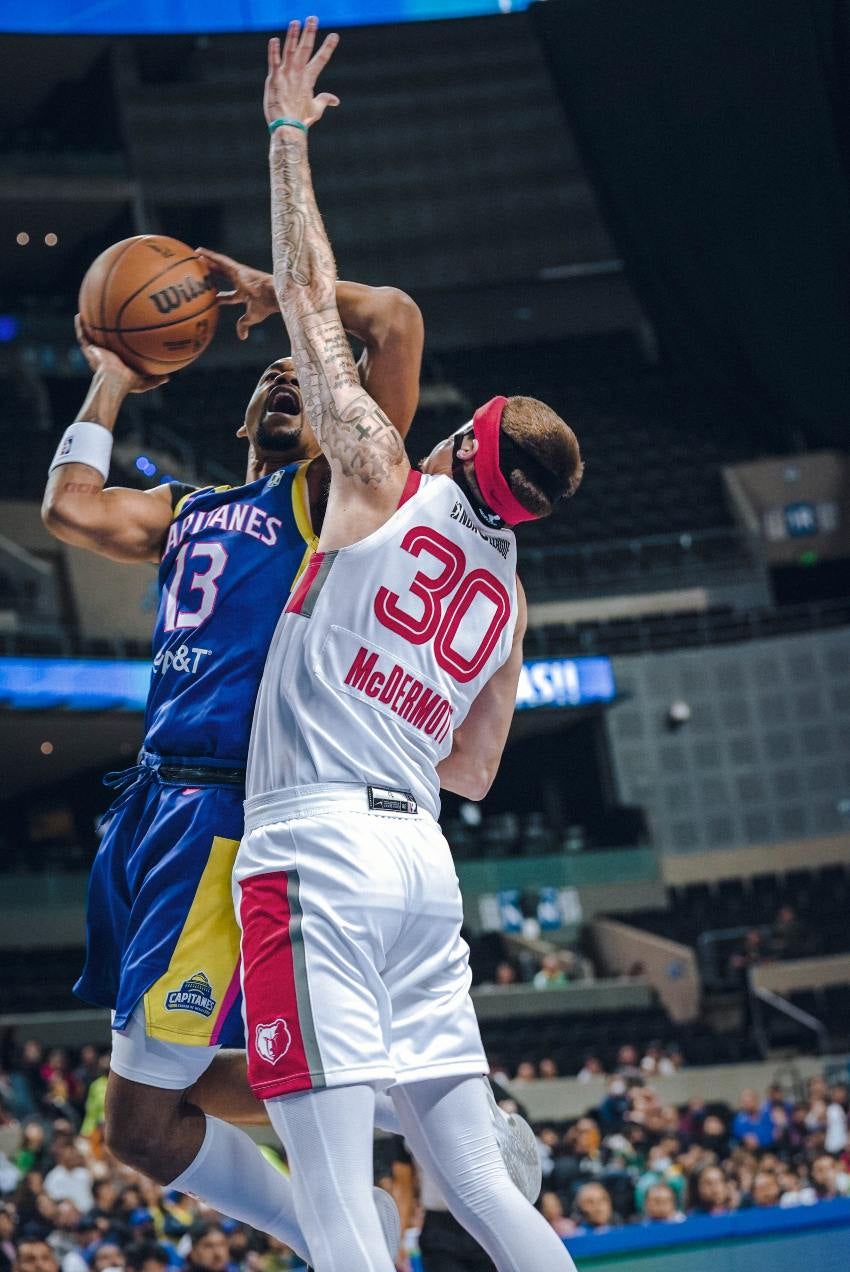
[[195, 994], [273, 1041]]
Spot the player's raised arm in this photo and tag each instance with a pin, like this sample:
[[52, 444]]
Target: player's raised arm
[[368, 462], [477, 746], [385, 319], [122, 524]]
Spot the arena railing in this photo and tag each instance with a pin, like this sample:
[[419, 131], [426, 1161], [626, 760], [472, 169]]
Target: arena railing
[[761, 998]]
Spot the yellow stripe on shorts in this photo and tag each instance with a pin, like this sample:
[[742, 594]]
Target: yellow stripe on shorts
[[206, 953]]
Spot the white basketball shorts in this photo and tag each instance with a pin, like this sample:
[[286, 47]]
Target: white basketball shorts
[[353, 966]]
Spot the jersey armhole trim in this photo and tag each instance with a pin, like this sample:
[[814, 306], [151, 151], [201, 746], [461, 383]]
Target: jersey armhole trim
[[414, 481], [303, 519]]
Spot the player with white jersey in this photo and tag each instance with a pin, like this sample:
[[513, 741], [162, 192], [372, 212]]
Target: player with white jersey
[[393, 671], [377, 682]]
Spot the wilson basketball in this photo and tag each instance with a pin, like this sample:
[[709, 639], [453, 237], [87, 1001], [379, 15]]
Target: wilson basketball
[[152, 301]]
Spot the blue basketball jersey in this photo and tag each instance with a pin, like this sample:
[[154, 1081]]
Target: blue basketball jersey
[[229, 562]]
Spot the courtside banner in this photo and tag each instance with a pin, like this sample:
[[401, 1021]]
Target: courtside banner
[[163, 17], [112, 684], [74, 684]]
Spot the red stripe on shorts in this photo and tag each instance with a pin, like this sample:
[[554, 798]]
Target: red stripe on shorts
[[277, 1061]]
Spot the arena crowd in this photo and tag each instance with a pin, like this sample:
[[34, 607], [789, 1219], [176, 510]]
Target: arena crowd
[[67, 1206]]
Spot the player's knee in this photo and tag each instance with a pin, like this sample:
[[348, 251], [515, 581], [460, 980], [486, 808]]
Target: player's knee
[[139, 1138]]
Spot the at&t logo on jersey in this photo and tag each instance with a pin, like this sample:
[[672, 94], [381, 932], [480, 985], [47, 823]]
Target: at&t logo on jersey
[[272, 1041], [183, 658], [195, 994]]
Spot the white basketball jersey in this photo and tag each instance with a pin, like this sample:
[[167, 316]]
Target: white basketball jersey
[[383, 647]]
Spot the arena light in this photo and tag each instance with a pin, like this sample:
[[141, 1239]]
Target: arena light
[[51, 239], [73, 684], [565, 682], [22, 238], [136, 17], [121, 684]]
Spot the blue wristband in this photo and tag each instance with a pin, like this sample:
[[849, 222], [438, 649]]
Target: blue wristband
[[287, 123]]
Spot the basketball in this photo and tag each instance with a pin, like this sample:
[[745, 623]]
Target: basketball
[[152, 301]]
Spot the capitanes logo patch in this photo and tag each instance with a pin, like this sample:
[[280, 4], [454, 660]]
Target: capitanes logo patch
[[195, 994], [273, 1041]]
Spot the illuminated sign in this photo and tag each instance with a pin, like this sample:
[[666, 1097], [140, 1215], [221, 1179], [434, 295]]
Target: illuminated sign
[[81, 17], [565, 682], [74, 684], [109, 684]]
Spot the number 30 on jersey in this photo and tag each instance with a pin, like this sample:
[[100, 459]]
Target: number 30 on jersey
[[447, 597]]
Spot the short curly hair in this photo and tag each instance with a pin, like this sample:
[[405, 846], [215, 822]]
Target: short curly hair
[[538, 454]]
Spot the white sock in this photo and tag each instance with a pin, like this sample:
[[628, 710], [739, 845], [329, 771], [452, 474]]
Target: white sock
[[231, 1174]]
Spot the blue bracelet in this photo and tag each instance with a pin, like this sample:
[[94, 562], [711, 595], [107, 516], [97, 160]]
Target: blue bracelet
[[288, 123]]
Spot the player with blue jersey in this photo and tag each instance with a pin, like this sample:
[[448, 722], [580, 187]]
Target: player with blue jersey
[[162, 941]]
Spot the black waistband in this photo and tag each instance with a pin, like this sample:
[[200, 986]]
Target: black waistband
[[198, 775], [175, 773]]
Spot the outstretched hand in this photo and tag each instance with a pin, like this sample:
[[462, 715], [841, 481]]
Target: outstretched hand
[[293, 73], [250, 287], [104, 360]]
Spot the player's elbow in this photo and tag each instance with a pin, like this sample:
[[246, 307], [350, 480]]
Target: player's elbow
[[477, 785], [67, 518], [397, 317], [472, 781], [407, 316], [55, 514]]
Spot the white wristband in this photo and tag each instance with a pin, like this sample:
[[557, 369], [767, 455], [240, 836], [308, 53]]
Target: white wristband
[[85, 443]]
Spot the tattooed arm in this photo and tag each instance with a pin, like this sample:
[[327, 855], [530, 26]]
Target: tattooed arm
[[367, 457], [122, 524]]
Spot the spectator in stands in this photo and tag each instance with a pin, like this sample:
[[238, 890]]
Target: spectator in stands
[[713, 1135], [208, 1251], [551, 974], [708, 1192], [33, 1153], [547, 1069], [753, 1124], [8, 1225], [661, 1205], [552, 1209], [656, 1061], [836, 1138], [526, 1071], [766, 1189], [627, 1061], [548, 1145], [64, 1239], [788, 938], [35, 1255], [591, 1069], [661, 1169], [107, 1255], [749, 955], [827, 1183], [614, 1107], [30, 1066], [505, 974], [88, 1067], [147, 1256], [594, 1210], [69, 1179], [581, 1156]]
